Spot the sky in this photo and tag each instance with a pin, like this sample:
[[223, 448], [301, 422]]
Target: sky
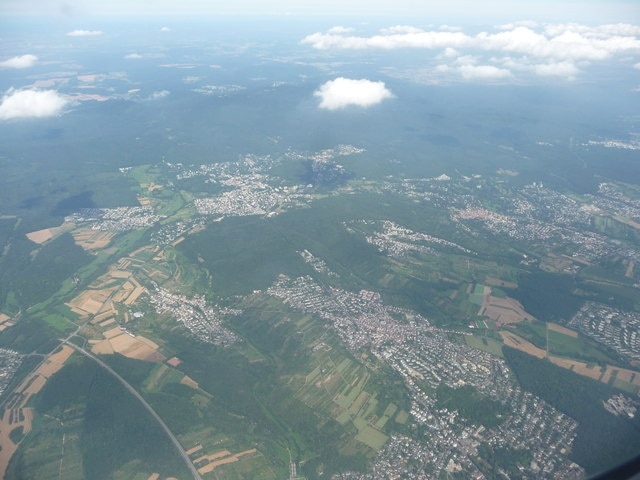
[[464, 10], [519, 41]]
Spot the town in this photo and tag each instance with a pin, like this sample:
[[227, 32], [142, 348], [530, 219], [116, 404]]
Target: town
[[202, 320], [610, 326], [423, 354]]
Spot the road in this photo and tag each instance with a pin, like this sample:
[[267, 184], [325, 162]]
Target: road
[[174, 440]]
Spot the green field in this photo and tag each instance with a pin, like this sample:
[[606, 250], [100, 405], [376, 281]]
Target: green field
[[581, 348], [483, 343]]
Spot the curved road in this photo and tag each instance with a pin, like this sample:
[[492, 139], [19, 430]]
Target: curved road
[[174, 440]]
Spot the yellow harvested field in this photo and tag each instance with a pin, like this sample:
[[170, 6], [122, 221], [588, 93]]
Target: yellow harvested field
[[7, 447], [607, 375], [114, 332], [28, 419], [513, 340], [109, 321], [193, 450], [147, 342], [142, 352], [105, 313], [124, 263], [121, 296], [92, 239], [210, 467], [120, 274], [91, 306], [35, 385], [580, 368], [48, 368], [134, 295], [154, 476], [503, 310], [213, 456], [5, 321], [6, 324], [20, 397], [140, 348], [63, 355], [91, 301], [104, 347], [77, 311], [55, 362], [123, 342], [626, 375], [563, 330], [174, 361], [189, 382], [41, 236]]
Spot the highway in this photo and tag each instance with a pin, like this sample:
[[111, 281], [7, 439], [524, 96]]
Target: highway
[[174, 440]]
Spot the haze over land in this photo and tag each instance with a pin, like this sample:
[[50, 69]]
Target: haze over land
[[312, 245]]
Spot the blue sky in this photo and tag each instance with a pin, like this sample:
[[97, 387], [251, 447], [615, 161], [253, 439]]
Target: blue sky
[[511, 41], [461, 10]]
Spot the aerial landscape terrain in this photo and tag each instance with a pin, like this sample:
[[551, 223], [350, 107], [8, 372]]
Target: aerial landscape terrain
[[304, 246]]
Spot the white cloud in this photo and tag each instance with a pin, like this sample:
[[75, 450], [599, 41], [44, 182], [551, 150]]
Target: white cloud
[[450, 28], [406, 38], [600, 31], [397, 29], [23, 61], [466, 60], [84, 33], [165, 29], [343, 92], [450, 52], [545, 50], [138, 56], [159, 94], [637, 66], [191, 79], [521, 23], [567, 41], [484, 72], [31, 103], [337, 30], [557, 69], [567, 45]]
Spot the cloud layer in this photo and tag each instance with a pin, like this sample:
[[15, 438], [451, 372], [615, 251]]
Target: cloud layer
[[343, 92], [23, 61], [546, 50], [159, 94], [31, 103], [84, 33]]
